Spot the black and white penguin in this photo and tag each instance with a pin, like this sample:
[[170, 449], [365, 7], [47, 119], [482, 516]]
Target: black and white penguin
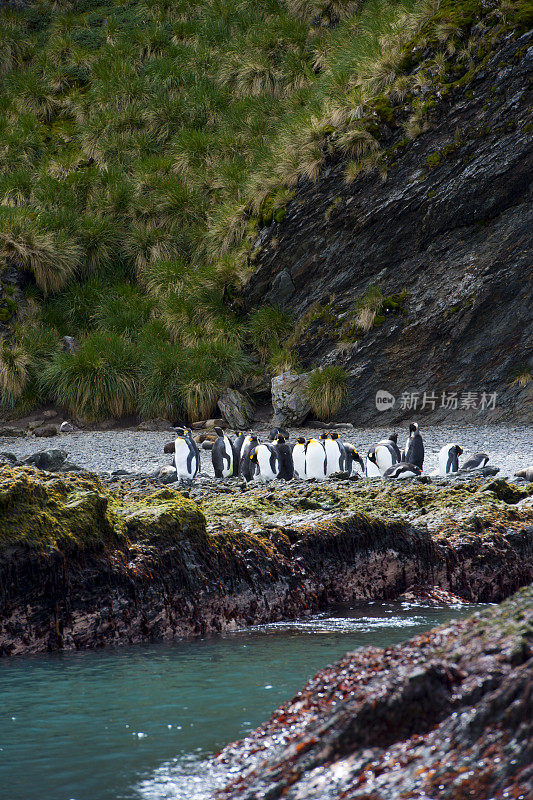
[[352, 459], [526, 473], [334, 452], [246, 470], [414, 447], [186, 455], [278, 432], [237, 446], [380, 458], [392, 444], [222, 455], [265, 462], [371, 468], [285, 460], [402, 470], [476, 461], [449, 458], [316, 461], [298, 458]]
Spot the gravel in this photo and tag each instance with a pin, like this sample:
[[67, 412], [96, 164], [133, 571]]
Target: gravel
[[510, 447]]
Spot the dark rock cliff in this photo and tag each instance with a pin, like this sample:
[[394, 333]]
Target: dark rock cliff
[[451, 223]]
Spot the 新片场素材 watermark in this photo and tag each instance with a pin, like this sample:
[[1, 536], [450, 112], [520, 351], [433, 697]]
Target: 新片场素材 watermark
[[451, 401]]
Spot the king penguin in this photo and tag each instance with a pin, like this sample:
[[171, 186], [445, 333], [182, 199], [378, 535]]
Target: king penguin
[[392, 444], [476, 461], [265, 462], [334, 451], [414, 447], [298, 458], [449, 458], [246, 468], [222, 455], [186, 455], [352, 459], [402, 470], [316, 461], [285, 460]]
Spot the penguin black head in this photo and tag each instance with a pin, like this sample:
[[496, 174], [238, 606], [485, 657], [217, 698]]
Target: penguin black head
[[413, 428], [253, 438], [372, 456], [280, 439], [301, 440], [253, 455], [333, 435], [459, 450], [180, 432], [394, 437], [325, 435], [219, 432]]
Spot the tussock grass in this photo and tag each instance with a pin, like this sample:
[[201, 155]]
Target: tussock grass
[[327, 390], [145, 144], [96, 382]]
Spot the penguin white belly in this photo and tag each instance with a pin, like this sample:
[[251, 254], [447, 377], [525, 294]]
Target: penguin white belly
[[372, 471], [266, 463], [333, 455], [298, 457], [384, 458], [445, 467], [185, 461], [315, 461], [227, 469]]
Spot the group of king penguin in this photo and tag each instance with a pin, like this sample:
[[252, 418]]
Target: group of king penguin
[[315, 458]]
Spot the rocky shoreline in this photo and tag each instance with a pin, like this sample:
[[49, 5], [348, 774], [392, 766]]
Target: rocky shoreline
[[86, 563], [446, 715]]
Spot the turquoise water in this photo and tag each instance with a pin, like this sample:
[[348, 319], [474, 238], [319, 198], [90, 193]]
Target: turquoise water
[[140, 723]]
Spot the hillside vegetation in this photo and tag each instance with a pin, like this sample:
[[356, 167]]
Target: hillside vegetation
[[142, 147]]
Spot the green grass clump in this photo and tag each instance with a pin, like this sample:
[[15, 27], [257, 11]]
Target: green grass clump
[[144, 144], [326, 391], [96, 382]]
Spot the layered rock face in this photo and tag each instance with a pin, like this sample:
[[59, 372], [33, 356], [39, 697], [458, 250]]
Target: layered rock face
[[447, 715], [450, 225], [83, 565]]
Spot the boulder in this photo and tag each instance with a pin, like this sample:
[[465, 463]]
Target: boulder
[[236, 409], [50, 460], [7, 430], [289, 399], [70, 345], [157, 424], [167, 474], [46, 431], [170, 447]]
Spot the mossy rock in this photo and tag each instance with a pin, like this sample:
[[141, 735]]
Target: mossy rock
[[165, 516], [43, 514]]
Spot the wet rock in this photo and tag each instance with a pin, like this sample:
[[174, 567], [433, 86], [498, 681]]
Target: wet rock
[[70, 345], [47, 459], [282, 288], [11, 431], [236, 409], [158, 424], [289, 400], [167, 474], [46, 431], [447, 714]]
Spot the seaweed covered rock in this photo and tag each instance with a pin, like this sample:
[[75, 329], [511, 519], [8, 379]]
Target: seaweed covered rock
[[447, 715]]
